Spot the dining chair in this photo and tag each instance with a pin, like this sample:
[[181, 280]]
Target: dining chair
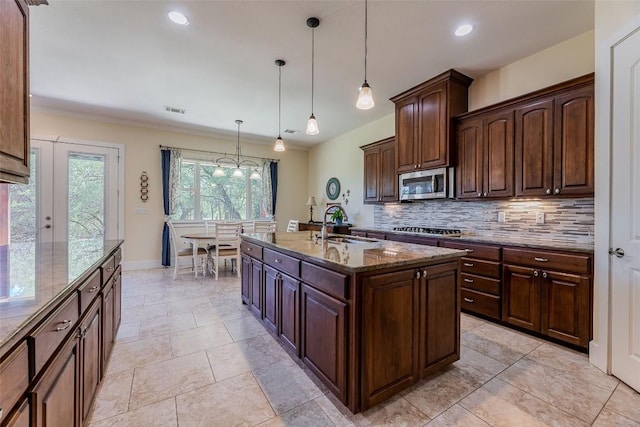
[[247, 226], [265, 226], [227, 246], [293, 225], [184, 252]]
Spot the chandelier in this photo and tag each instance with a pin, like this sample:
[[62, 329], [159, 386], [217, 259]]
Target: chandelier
[[237, 161]]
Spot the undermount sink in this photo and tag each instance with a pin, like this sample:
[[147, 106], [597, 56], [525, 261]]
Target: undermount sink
[[349, 239]]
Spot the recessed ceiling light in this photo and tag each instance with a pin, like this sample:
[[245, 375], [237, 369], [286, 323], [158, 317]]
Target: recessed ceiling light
[[463, 30], [178, 18]]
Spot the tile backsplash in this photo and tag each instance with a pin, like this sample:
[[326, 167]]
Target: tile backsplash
[[566, 220]]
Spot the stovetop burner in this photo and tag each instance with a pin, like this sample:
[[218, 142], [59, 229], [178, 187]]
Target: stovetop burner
[[432, 231]]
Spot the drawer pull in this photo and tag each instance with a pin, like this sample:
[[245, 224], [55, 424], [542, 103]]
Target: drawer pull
[[424, 273], [248, 249], [65, 325], [541, 259], [109, 268], [277, 261], [468, 264], [417, 274], [544, 274], [536, 273], [468, 280], [468, 250], [93, 289], [468, 300]]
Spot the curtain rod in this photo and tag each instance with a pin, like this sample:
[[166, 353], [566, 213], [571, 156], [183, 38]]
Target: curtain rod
[[216, 152]]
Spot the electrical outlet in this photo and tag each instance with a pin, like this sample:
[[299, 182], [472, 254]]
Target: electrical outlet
[[539, 217], [502, 217]]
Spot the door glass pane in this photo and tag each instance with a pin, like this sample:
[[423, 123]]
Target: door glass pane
[[22, 237]]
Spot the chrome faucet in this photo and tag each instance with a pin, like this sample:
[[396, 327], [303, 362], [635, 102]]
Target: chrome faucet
[[324, 219]]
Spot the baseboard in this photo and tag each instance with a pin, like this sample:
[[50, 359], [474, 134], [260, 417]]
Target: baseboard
[[141, 265], [598, 357]]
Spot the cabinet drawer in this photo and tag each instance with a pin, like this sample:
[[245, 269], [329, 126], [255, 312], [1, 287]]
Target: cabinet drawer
[[548, 260], [46, 338], [282, 262], [89, 290], [107, 269], [481, 303], [483, 284], [482, 268], [474, 250], [251, 249], [14, 378], [330, 282], [376, 235]]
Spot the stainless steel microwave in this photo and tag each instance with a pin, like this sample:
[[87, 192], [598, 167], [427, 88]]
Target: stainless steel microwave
[[429, 184]]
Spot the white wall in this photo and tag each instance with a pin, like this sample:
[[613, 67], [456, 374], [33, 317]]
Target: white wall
[[610, 18], [143, 233], [341, 156]]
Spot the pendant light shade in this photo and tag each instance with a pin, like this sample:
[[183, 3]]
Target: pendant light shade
[[279, 142], [237, 173], [312, 123], [218, 171], [255, 174], [365, 96]]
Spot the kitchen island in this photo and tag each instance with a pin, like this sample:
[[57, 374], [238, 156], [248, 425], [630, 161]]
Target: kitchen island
[[369, 318]]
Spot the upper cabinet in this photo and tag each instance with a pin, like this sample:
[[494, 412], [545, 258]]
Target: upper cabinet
[[14, 91], [423, 121], [380, 178], [539, 144]]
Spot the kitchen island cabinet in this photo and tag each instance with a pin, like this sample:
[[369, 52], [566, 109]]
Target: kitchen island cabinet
[[369, 318]]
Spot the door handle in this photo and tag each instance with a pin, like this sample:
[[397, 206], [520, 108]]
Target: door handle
[[618, 252]]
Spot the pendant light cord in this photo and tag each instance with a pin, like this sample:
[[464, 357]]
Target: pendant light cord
[[366, 26], [279, 95], [238, 143], [313, 55]]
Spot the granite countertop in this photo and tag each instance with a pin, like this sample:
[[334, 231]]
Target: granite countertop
[[354, 256], [34, 277], [506, 240]]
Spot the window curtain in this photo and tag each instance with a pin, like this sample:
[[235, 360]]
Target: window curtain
[[267, 198], [170, 185], [273, 169]]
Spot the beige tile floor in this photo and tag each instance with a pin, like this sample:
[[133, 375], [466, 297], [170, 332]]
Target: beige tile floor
[[189, 353]]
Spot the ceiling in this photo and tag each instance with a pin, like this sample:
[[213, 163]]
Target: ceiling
[[126, 60]]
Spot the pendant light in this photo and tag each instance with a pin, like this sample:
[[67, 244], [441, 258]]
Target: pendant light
[[365, 96], [237, 173], [312, 123], [279, 142]]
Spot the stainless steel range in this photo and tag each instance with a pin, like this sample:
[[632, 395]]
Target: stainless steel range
[[439, 232]]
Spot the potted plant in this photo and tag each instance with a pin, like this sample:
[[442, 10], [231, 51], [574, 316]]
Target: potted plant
[[337, 217]]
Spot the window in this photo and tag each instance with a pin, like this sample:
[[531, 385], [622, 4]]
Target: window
[[204, 196]]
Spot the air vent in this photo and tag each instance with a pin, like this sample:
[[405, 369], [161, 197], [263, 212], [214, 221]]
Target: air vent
[[291, 131], [174, 109], [37, 2]]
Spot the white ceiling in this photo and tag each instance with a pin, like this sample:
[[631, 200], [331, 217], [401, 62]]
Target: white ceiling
[[126, 60]]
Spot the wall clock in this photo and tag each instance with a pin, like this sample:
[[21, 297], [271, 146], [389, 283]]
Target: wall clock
[[333, 188]]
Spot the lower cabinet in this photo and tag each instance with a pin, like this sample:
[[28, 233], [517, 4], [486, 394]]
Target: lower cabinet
[[270, 312], [90, 356], [323, 338], [108, 331], [21, 417], [289, 328], [521, 297], [252, 284], [55, 396]]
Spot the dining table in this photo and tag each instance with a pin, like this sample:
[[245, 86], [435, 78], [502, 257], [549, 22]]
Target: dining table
[[198, 240]]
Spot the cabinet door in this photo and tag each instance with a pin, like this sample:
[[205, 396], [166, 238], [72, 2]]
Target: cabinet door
[[14, 91], [406, 134], [56, 396], [498, 155], [371, 175], [388, 177], [470, 159], [256, 287], [289, 328], [108, 334], [534, 149], [323, 338], [573, 143], [432, 128], [90, 357], [521, 297], [389, 334], [271, 284], [117, 297], [565, 307], [439, 317], [246, 279], [21, 417]]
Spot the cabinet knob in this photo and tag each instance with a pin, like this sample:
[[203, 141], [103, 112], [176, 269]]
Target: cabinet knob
[[277, 261], [484, 194], [415, 167], [548, 191], [557, 191], [424, 273], [536, 273], [417, 274], [93, 289], [545, 275], [479, 194]]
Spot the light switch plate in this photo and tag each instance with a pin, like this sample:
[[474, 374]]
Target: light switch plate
[[539, 217], [502, 217], [141, 211]]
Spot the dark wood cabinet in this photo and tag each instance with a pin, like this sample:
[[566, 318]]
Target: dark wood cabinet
[[331, 227], [323, 330], [380, 178], [423, 121], [550, 293], [251, 284], [270, 292], [21, 417], [289, 297], [245, 282], [108, 333], [90, 357], [56, 396], [117, 294], [14, 91], [485, 156]]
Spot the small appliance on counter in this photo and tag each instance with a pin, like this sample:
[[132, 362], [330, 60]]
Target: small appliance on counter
[[428, 184]]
